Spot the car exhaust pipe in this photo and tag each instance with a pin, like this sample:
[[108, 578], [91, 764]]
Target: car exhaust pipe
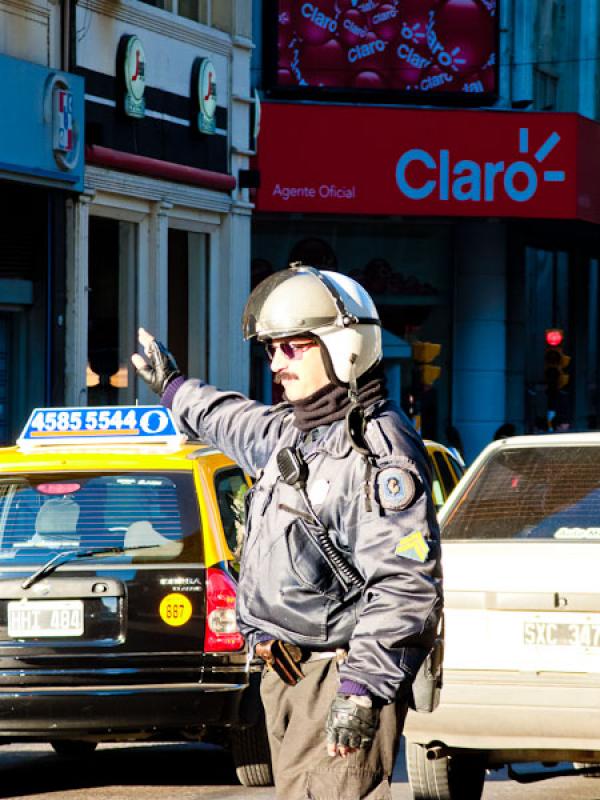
[[435, 752]]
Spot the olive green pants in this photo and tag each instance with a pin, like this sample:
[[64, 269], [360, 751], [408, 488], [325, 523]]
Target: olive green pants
[[296, 718]]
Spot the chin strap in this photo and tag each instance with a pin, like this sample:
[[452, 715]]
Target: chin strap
[[355, 416], [352, 384]]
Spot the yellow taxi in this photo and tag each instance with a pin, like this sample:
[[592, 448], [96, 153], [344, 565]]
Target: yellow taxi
[[447, 469], [118, 548]]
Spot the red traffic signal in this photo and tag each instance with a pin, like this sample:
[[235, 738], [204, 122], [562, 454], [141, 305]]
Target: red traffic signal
[[555, 361], [554, 337]]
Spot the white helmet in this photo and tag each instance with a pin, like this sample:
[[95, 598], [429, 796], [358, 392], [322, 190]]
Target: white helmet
[[327, 305]]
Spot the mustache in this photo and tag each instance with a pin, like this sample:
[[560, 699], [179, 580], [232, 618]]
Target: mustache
[[284, 376]]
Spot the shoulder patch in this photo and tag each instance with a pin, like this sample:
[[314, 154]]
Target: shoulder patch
[[395, 488], [413, 546]]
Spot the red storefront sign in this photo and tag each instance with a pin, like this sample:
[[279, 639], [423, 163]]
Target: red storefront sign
[[368, 160]]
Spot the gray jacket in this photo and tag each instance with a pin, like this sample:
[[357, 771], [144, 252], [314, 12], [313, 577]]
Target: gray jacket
[[379, 515]]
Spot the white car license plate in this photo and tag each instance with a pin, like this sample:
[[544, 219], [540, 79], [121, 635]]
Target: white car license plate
[[45, 618], [577, 634]]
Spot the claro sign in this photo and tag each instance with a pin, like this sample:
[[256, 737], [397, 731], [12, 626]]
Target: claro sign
[[340, 159], [467, 180]]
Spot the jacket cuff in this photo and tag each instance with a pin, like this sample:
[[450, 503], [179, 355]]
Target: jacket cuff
[[171, 390], [351, 687]]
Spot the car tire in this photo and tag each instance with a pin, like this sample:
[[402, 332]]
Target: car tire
[[252, 755], [73, 748], [451, 777]]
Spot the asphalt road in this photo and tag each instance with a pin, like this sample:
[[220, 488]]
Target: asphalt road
[[193, 771]]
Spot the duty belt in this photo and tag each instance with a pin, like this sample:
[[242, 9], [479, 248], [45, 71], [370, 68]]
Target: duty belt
[[285, 659]]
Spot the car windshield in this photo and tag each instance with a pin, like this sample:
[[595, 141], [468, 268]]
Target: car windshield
[[546, 492], [154, 512]]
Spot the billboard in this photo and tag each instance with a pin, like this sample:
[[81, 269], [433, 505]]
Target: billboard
[[407, 50]]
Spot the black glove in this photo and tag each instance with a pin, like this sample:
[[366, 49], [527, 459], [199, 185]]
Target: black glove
[[161, 370], [350, 724]]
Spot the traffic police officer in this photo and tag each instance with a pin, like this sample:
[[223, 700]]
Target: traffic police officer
[[340, 581]]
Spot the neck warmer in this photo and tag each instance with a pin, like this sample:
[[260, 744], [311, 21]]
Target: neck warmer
[[331, 403]]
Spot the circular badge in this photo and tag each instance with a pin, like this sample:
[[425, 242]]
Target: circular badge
[[395, 488], [135, 68], [175, 609], [207, 96]]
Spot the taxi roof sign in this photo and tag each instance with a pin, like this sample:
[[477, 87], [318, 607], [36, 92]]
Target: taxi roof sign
[[104, 425]]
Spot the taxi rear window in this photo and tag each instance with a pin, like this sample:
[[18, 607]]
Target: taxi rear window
[[156, 513], [550, 493]]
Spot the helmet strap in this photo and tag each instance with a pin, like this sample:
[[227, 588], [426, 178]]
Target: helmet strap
[[352, 384], [355, 418]]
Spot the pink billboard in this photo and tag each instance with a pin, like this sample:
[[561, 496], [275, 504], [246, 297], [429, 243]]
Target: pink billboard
[[419, 48]]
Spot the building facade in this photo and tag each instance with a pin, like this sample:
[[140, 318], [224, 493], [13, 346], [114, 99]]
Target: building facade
[[161, 234], [41, 170], [130, 214], [455, 178]]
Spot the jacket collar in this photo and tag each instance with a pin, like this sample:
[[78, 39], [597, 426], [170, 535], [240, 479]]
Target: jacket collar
[[331, 439]]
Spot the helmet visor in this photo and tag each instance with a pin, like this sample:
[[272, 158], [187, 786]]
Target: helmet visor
[[288, 303]]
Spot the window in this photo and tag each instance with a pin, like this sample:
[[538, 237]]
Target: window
[[148, 511], [188, 307], [231, 488], [458, 468], [112, 311], [537, 493], [548, 37], [546, 88], [437, 491], [214, 13], [448, 479]]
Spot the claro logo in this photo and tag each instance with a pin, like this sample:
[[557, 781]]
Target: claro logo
[[421, 175]]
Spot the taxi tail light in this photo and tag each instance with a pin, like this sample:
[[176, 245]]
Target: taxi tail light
[[221, 631]]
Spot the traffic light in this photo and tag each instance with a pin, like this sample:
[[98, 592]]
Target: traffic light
[[423, 354], [555, 362]]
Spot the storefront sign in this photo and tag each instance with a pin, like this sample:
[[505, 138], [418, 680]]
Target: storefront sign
[[205, 82], [134, 75], [63, 121], [342, 159], [59, 113], [41, 139]]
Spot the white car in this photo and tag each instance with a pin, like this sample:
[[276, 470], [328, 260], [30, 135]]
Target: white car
[[521, 560]]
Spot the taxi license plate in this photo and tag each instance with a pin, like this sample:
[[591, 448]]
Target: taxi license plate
[[45, 618], [579, 634]]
